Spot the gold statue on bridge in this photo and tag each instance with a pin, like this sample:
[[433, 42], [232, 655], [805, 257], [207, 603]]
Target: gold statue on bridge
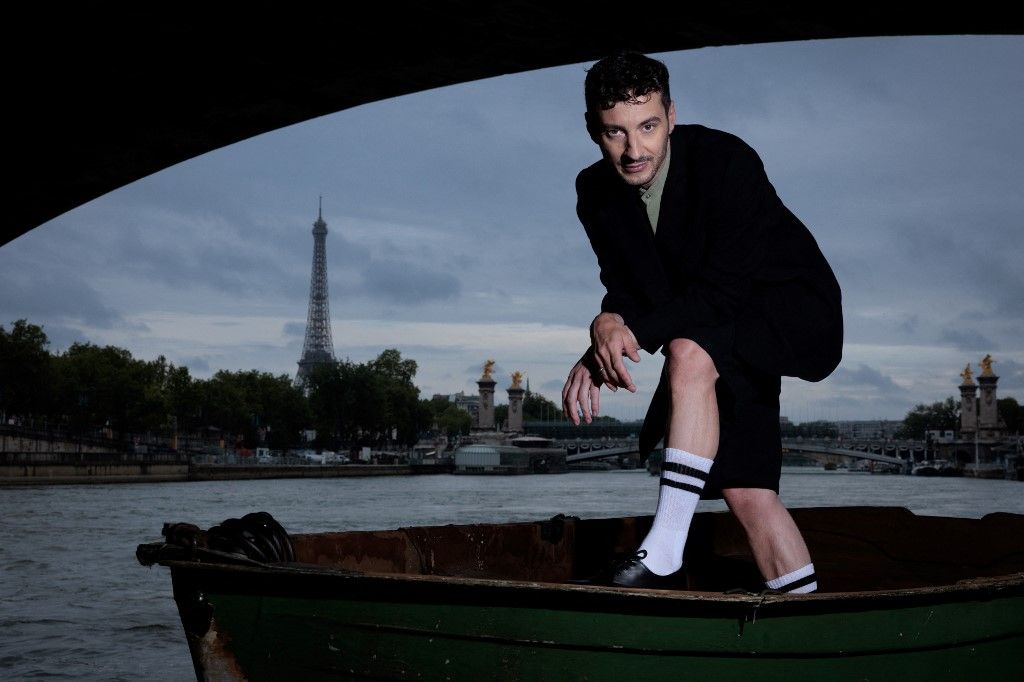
[[517, 379], [986, 366], [488, 368], [967, 375]]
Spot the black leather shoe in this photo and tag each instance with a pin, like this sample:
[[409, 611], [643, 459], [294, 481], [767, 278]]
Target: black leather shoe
[[630, 572]]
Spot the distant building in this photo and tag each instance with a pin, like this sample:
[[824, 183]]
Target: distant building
[[467, 403], [868, 429], [941, 435], [524, 456]]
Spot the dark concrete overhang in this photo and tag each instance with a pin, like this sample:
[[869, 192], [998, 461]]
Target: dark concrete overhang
[[103, 93]]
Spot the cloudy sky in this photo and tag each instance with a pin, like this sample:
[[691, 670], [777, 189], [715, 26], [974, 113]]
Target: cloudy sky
[[453, 234]]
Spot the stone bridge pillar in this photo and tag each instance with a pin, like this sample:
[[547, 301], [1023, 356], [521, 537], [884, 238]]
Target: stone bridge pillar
[[968, 400], [515, 408], [485, 419], [988, 410]]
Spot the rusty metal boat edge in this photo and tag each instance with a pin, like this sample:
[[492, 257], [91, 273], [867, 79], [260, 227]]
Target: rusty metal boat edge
[[491, 602]]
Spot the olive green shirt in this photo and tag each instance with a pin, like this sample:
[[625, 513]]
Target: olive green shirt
[[651, 196]]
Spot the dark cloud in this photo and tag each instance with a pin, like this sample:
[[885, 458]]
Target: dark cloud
[[967, 339], [909, 324], [196, 365], [42, 295], [974, 315], [893, 329], [341, 251], [408, 283], [1011, 377], [196, 252], [294, 329], [62, 337], [554, 385], [873, 407], [865, 376], [981, 266]]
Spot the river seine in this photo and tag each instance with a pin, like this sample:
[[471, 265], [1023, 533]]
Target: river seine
[[75, 604]]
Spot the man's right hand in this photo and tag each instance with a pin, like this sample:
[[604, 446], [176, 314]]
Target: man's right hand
[[612, 339]]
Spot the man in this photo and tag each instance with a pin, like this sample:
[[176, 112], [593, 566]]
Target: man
[[701, 260]]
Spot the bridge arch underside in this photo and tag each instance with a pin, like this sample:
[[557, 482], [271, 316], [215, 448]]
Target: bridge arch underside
[[118, 91]]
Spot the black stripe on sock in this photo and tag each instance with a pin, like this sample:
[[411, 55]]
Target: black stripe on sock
[[799, 582], [677, 468], [688, 487]]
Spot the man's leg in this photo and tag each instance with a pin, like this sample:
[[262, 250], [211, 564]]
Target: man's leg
[[779, 548], [691, 442]]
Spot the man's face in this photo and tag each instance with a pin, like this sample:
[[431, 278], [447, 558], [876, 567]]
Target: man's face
[[634, 137]]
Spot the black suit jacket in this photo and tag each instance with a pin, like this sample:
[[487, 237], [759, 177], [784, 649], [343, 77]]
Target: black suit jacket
[[727, 255]]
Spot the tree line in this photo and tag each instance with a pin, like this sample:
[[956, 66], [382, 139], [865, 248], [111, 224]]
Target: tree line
[[89, 389], [103, 390]]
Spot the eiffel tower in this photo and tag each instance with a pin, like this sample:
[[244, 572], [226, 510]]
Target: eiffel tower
[[318, 347]]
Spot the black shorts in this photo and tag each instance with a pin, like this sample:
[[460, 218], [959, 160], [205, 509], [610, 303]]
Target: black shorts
[[749, 446]]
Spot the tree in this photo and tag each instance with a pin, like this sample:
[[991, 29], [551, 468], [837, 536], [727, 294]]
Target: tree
[[100, 387], [26, 370], [151, 411], [365, 404], [399, 414], [286, 411], [537, 407], [222, 404], [89, 387], [437, 404], [454, 421], [390, 366], [1012, 413], [182, 396], [439, 415], [814, 429], [256, 407], [944, 415]]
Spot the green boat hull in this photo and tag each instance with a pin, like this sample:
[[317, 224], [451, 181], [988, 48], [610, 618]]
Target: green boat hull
[[316, 638], [308, 622]]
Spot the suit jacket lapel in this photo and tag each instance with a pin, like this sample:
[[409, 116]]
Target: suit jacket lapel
[[637, 241], [674, 221]]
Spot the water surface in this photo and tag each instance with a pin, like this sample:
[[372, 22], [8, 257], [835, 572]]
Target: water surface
[[75, 604]]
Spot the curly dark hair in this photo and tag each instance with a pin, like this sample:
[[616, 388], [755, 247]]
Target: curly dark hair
[[625, 76]]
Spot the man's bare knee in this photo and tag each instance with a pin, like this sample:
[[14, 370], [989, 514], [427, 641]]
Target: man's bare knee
[[749, 503], [688, 364]]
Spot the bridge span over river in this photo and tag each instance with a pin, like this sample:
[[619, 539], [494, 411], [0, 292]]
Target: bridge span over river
[[816, 449], [580, 451]]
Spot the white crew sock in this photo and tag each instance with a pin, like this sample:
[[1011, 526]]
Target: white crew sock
[[800, 581], [682, 479]]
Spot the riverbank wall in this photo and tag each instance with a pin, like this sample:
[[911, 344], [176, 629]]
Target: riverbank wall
[[49, 473], [230, 472], [64, 468]]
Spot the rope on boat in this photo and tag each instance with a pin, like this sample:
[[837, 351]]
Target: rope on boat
[[257, 535]]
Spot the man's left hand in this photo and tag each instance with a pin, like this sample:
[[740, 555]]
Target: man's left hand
[[582, 391]]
